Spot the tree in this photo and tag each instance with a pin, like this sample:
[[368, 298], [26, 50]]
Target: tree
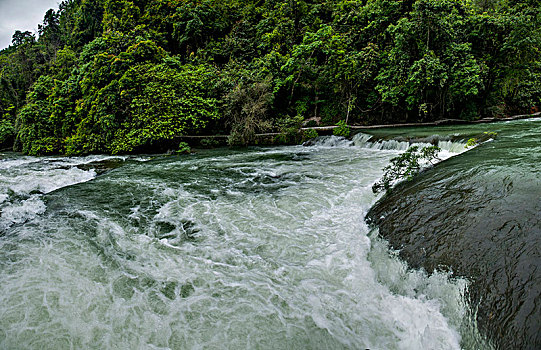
[[113, 68], [405, 166], [49, 32], [162, 102], [20, 38], [247, 106]]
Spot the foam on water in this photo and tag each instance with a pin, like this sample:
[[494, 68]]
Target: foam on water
[[21, 211], [24, 179], [332, 141], [448, 147], [259, 249]]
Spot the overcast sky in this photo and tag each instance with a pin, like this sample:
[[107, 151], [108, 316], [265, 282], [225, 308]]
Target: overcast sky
[[22, 15]]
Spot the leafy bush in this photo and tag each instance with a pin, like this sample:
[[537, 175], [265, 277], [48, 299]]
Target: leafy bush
[[309, 134], [247, 106], [290, 130], [342, 129], [471, 142], [405, 166], [183, 147], [44, 146], [161, 103], [209, 143], [6, 131]]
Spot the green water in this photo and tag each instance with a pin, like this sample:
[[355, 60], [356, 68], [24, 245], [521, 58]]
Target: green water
[[479, 215], [257, 248]]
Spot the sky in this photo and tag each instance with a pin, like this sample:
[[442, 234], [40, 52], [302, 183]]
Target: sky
[[22, 15]]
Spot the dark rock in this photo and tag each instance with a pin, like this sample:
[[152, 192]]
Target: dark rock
[[479, 217]]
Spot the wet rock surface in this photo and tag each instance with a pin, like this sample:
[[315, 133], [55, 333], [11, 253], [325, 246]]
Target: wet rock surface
[[478, 215]]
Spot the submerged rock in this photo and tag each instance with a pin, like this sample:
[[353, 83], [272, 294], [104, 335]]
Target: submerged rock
[[102, 166]]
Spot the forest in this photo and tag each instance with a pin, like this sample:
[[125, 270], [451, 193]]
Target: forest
[[120, 76]]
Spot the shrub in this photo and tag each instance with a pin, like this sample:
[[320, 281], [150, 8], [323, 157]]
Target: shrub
[[342, 129], [209, 143], [183, 147], [7, 131], [309, 134], [247, 106], [290, 130], [405, 166], [471, 142], [44, 146]]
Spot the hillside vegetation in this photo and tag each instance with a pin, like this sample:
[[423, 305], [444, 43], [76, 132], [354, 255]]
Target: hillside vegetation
[[120, 76]]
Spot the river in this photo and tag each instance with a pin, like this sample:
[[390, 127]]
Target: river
[[259, 248], [479, 216]]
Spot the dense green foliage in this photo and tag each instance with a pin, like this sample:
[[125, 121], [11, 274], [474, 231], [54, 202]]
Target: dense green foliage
[[405, 166], [341, 129], [120, 76]]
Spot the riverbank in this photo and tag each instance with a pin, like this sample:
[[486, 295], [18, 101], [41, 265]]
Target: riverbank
[[300, 136], [273, 138]]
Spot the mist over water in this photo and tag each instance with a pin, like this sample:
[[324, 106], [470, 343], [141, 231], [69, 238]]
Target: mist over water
[[259, 248]]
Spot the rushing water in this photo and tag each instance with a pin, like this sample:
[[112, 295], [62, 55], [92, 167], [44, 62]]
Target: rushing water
[[260, 248], [480, 215]]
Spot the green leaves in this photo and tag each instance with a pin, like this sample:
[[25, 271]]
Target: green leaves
[[405, 166], [342, 129], [7, 131], [118, 102], [162, 103], [247, 105], [121, 75]]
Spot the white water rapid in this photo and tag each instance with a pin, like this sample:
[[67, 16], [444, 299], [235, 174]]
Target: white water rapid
[[257, 249]]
